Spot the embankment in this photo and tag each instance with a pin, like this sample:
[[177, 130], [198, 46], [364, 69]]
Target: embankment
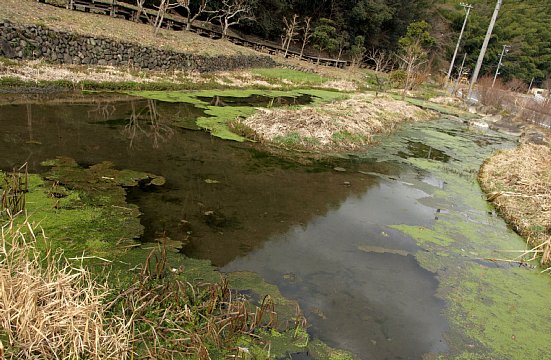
[[20, 41], [518, 183]]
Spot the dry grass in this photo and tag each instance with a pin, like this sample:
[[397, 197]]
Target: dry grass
[[32, 12], [37, 70], [243, 79], [342, 125], [51, 310], [518, 182]]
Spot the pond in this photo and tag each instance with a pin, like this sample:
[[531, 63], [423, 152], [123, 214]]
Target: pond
[[387, 259]]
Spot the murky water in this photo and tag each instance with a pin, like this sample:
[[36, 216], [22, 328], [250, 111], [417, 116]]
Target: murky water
[[324, 237], [359, 283]]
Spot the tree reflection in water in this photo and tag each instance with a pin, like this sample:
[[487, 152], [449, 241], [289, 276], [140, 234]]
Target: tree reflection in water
[[147, 122]]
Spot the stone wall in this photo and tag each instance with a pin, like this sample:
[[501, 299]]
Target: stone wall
[[37, 42]]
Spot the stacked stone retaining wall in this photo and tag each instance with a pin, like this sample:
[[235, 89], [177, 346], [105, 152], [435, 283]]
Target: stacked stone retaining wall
[[37, 42]]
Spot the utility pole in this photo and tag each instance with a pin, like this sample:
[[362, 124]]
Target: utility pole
[[505, 49], [484, 47], [468, 8], [460, 75]]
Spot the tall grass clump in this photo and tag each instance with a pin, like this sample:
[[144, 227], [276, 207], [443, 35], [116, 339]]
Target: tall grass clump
[[50, 309], [518, 182]]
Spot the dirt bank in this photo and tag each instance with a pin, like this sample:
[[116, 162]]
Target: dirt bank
[[518, 183]]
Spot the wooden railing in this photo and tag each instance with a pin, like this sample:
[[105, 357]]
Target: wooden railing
[[127, 11]]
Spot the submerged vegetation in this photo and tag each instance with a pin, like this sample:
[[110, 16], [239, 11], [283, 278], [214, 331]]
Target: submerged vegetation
[[77, 284], [518, 183]]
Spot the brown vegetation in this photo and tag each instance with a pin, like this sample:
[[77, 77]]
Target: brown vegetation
[[500, 97], [343, 125], [50, 308], [518, 183]]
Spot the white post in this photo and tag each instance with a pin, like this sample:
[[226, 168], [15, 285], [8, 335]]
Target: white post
[[484, 47]]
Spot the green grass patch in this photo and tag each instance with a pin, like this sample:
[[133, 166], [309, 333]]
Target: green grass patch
[[289, 140], [294, 76], [348, 137]]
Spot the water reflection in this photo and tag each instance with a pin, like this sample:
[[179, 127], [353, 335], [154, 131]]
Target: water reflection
[[300, 227], [256, 195], [357, 281], [152, 126]]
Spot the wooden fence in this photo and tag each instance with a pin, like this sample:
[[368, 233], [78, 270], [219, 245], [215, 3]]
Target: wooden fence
[[127, 11]]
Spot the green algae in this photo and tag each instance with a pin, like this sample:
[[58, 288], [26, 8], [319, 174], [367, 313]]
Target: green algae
[[321, 351], [277, 344], [423, 235], [251, 282], [85, 210], [495, 312], [217, 117], [502, 308]]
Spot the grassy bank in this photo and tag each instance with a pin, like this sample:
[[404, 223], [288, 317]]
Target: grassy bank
[[32, 12], [23, 75], [342, 125], [518, 183], [55, 307]]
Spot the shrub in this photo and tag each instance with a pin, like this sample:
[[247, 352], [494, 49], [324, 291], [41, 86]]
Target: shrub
[[398, 78]]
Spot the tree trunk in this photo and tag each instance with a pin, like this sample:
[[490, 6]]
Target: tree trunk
[[188, 22], [225, 28], [302, 50]]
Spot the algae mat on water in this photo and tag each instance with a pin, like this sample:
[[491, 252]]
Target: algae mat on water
[[495, 310], [217, 117], [85, 210]]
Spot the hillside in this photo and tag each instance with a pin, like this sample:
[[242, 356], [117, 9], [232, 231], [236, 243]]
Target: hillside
[[522, 25], [32, 12]]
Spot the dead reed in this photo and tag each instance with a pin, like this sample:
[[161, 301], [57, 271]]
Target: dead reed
[[518, 182], [176, 319], [14, 188], [342, 125], [50, 309]]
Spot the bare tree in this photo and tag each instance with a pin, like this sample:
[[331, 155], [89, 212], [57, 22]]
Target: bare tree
[[306, 34], [141, 11], [291, 31], [191, 17], [381, 58], [232, 12], [162, 9], [413, 58], [343, 42], [547, 86]]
